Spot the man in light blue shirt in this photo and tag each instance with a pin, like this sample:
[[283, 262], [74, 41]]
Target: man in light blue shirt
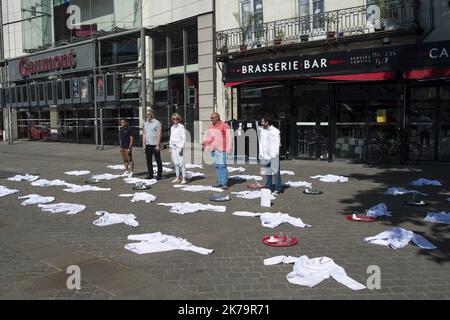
[[151, 144]]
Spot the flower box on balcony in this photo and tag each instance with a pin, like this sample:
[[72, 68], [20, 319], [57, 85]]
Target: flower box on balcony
[[331, 35], [243, 47]]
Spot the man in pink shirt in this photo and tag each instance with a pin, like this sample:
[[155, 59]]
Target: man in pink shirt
[[218, 141]]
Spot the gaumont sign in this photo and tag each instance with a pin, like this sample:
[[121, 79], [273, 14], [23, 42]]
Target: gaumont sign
[[389, 58], [53, 62], [31, 67]]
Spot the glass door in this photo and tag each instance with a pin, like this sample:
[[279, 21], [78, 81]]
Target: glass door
[[312, 123]]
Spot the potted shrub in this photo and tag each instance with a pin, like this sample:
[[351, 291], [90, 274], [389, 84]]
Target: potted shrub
[[279, 36], [330, 20], [304, 38], [244, 29]]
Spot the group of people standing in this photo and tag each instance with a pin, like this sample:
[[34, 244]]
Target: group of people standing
[[218, 141]]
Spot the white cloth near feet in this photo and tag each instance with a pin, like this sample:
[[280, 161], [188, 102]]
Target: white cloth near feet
[[425, 182], [158, 242], [4, 191], [27, 177], [310, 272], [187, 207], [140, 196], [401, 191], [246, 177], [298, 184], [107, 219], [196, 188], [235, 169], [272, 220], [36, 199], [438, 217], [116, 167], [331, 178], [77, 173], [396, 238], [67, 208], [288, 173], [147, 182], [378, 211], [191, 174], [108, 176], [193, 166], [250, 195]]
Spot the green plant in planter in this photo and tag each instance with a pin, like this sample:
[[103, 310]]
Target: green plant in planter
[[245, 29], [279, 36]]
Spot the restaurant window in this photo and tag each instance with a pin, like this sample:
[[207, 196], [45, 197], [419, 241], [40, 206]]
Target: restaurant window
[[192, 45], [25, 94], [19, 94], [176, 48], [160, 52], [50, 92], [130, 88], [107, 52]]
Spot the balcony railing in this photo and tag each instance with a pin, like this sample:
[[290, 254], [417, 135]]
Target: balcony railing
[[386, 15]]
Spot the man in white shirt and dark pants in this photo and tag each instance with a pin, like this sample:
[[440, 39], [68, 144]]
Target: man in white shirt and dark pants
[[269, 153]]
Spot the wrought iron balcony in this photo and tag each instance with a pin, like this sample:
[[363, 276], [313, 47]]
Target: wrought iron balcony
[[386, 15]]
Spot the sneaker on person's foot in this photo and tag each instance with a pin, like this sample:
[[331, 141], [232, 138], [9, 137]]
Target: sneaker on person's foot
[[126, 173], [158, 178], [184, 181], [224, 187], [176, 180], [275, 193], [130, 175], [217, 186]]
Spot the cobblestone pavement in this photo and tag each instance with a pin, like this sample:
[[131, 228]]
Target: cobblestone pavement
[[36, 248]]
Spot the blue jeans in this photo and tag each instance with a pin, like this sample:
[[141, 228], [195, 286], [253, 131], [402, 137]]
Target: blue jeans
[[272, 169], [220, 159]]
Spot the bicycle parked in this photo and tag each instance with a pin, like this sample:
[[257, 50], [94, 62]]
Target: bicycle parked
[[376, 150]]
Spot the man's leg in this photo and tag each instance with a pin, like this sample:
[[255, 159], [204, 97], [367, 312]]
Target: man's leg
[[130, 161], [149, 156], [216, 165], [175, 160], [158, 162], [124, 158], [267, 176], [224, 173], [276, 171]]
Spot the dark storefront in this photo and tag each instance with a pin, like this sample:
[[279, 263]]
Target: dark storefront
[[328, 106], [78, 93]]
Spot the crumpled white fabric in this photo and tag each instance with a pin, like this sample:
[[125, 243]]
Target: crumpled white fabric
[[108, 176], [297, 184], [193, 166], [140, 196], [77, 173], [246, 177], [116, 167], [158, 242], [191, 174], [187, 207], [235, 169], [379, 210], [272, 220], [196, 188], [400, 191], [27, 177], [107, 219], [51, 183], [36, 199], [331, 178], [4, 191], [67, 208], [438, 217], [79, 189], [147, 182], [396, 238], [287, 172], [250, 194], [164, 169], [425, 182], [310, 272]]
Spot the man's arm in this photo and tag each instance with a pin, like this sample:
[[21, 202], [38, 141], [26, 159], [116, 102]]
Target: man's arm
[[131, 142], [159, 137], [143, 137]]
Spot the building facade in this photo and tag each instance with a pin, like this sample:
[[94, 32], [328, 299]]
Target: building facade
[[73, 69], [337, 74]]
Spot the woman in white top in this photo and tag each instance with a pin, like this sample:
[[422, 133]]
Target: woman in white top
[[177, 141]]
